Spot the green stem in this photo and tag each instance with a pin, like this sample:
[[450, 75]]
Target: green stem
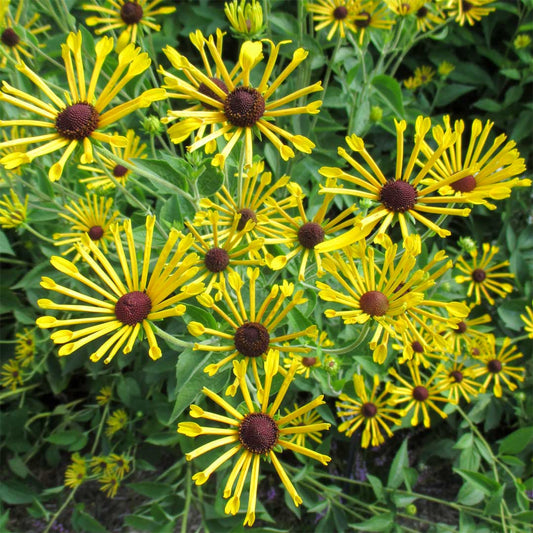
[[170, 339], [60, 510], [353, 345], [188, 497], [100, 428], [36, 233]]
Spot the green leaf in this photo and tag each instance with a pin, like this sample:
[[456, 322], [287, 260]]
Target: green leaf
[[5, 247], [391, 93], [210, 181], [377, 523], [16, 492], [377, 486], [151, 489], [516, 442], [18, 467], [485, 484], [86, 523], [161, 169], [399, 463], [451, 93], [469, 495], [163, 439], [487, 104], [65, 438]]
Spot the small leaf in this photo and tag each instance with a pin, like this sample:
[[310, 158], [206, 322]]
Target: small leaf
[[210, 181], [485, 484], [5, 247], [391, 93], [516, 442], [151, 489], [65, 438], [400, 461], [376, 523]]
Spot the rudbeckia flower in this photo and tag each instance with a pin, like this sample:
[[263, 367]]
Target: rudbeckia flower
[[254, 433], [234, 104], [77, 118]]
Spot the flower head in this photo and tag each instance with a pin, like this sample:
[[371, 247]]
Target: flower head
[[483, 172], [76, 472], [470, 11], [369, 15], [335, 13], [420, 394], [428, 15], [404, 197], [90, 217], [522, 41], [127, 16], [253, 434], [527, 318], [302, 234], [245, 17], [118, 307], [12, 210], [100, 179], [109, 483], [253, 327], [11, 374], [368, 409], [445, 68], [117, 420], [25, 347], [457, 379], [482, 276], [79, 117], [233, 103], [496, 368], [12, 41], [104, 395]]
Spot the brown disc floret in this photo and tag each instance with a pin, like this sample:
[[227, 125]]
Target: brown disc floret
[[216, 259], [96, 233], [420, 393], [466, 184], [374, 303], [245, 215], [207, 91], [258, 433], [311, 234], [77, 121], [398, 196], [369, 410], [479, 275], [131, 13], [244, 106], [252, 339], [133, 307], [10, 37]]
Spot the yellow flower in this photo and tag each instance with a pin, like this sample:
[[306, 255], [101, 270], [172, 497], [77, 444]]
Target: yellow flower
[[424, 74], [445, 67], [132, 149], [117, 307], [307, 419], [389, 297], [12, 210], [104, 395], [119, 465], [464, 337], [403, 8], [245, 17], [25, 347], [469, 11], [420, 393], [253, 326], [253, 204], [11, 375], [522, 41], [335, 13], [218, 255], [117, 420], [482, 172], [78, 118], [428, 15], [233, 103], [457, 380], [98, 464], [109, 484], [527, 318], [15, 133], [76, 472], [496, 367], [302, 235], [368, 15], [412, 83], [375, 413], [482, 276], [127, 16], [10, 37], [406, 196], [90, 216], [253, 434]]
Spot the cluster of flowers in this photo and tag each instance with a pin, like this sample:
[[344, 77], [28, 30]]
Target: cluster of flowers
[[222, 258]]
